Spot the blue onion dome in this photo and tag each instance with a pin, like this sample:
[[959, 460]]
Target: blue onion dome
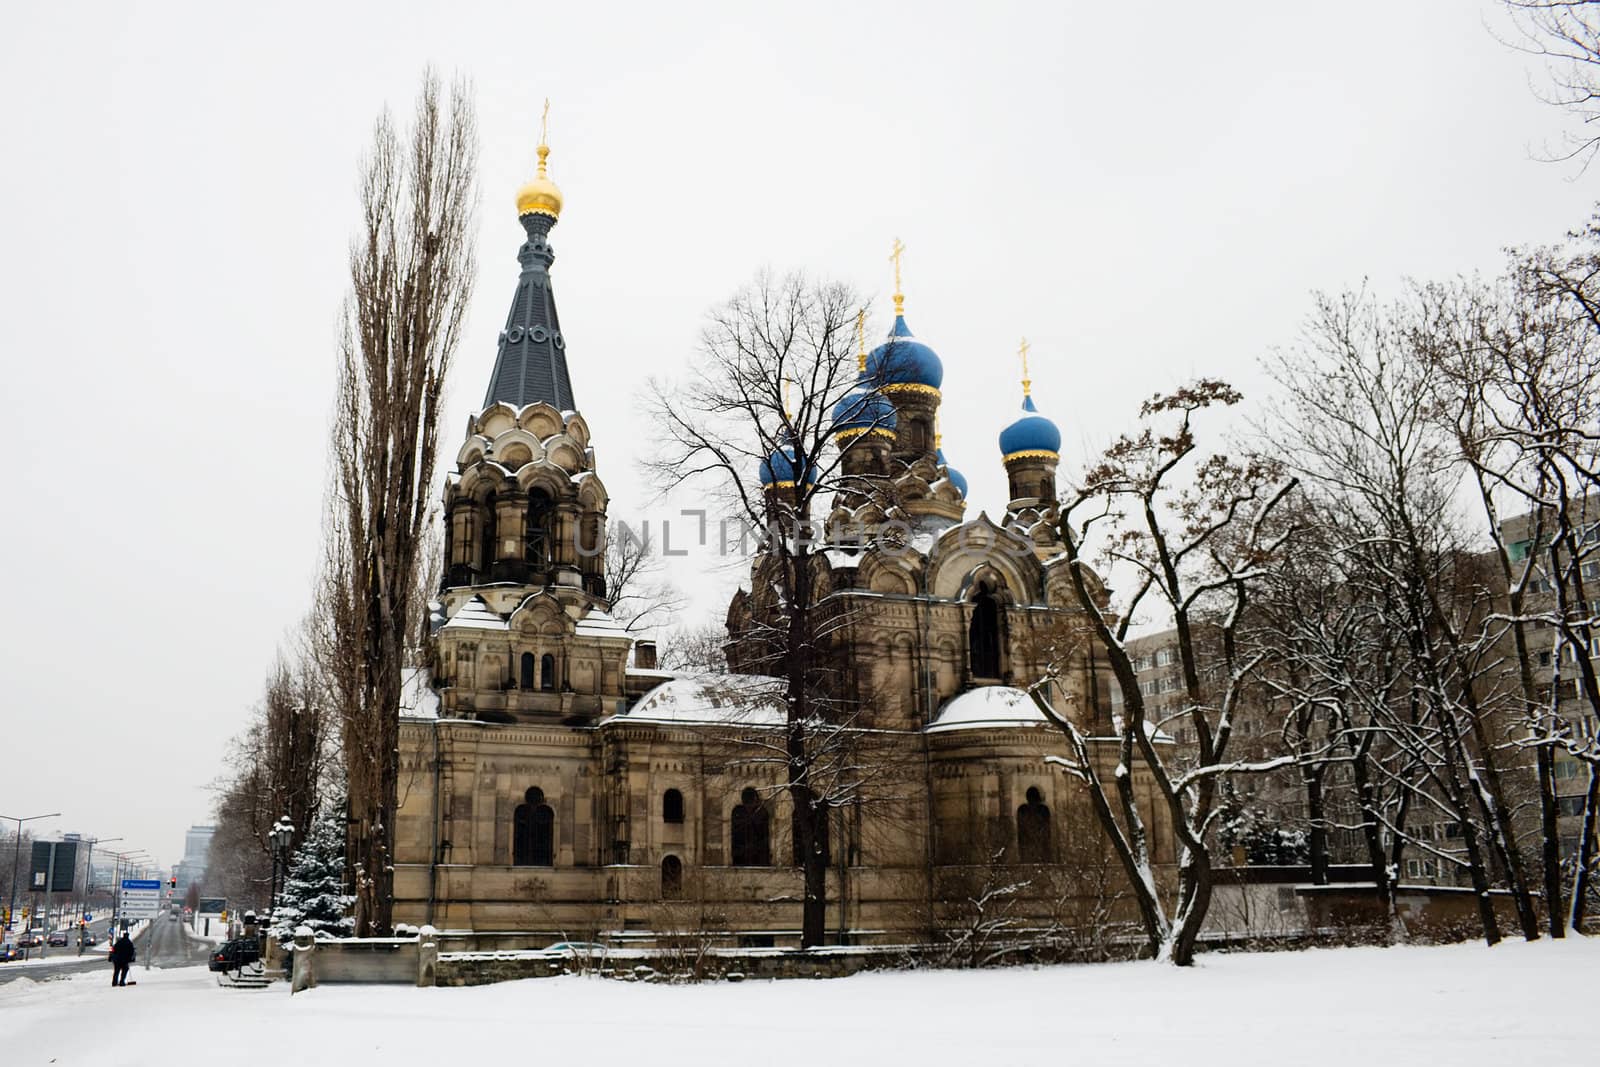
[[778, 469], [956, 478], [1030, 435], [863, 410], [905, 363]]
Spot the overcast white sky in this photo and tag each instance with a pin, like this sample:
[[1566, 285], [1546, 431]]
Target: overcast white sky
[[1146, 191]]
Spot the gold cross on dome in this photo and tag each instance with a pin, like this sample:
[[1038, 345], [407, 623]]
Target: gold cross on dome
[[894, 257], [1027, 384], [544, 123]]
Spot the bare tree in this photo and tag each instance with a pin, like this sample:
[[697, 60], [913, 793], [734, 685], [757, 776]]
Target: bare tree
[[641, 596], [1360, 420], [695, 648], [411, 272], [730, 422], [1566, 35], [1199, 549]]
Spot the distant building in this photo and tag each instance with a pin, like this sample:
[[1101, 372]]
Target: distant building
[[196, 851]]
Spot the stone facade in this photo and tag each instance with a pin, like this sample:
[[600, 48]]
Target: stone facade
[[550, 791]]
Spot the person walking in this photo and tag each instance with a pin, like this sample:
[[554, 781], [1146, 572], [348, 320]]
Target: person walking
[[122, 955]]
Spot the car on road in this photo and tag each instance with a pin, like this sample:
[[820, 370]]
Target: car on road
[[90, 939], [235, 953], [9, 952], [59, 939], [32, 939]]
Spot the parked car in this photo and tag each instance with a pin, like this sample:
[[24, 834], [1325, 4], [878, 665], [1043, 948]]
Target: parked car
[[576, 950], [235, 953], [58, 939]]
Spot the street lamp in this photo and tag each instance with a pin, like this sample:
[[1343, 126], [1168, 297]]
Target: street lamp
[[88, 886], [16, 854], [281, 835]]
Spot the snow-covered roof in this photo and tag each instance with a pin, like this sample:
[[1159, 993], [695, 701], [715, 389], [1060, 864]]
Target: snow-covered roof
[[660, 674], [475, 615], [600, 624], [710, 700], [986, 708], [417, 697]]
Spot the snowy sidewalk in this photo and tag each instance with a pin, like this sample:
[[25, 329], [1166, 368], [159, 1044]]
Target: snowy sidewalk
[[1463, 1005]]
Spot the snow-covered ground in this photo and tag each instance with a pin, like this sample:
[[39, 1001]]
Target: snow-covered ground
[[1462, 1005]]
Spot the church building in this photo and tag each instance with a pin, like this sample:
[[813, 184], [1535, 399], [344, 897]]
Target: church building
[[556, 785]]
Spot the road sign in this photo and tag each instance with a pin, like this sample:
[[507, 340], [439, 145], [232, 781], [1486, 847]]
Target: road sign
[[141, 898]]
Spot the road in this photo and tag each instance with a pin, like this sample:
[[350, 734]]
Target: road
[[162, 944]]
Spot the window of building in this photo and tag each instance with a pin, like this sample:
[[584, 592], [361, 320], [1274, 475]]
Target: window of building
[[983, 635], [541, 523], [672, 806], [751, 836], [1569, 807], [1033, 829], [533, 832], [486, 552], [527, 670], [671, 878], [547, 672]]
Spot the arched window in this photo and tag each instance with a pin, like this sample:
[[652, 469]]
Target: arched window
[[983, 636], [527, 670], [1033, 830], [547, 672], [486, 551], [533, 832], [672, 806], [752, 841], [541, 522], [671, 878]]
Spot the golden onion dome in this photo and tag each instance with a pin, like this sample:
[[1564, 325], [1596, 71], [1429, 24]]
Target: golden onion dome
[[541, 196]]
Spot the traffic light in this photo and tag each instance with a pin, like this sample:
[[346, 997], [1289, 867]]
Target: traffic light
[[174, 883]]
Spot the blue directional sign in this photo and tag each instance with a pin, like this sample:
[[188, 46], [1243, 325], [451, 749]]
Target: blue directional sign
[[141, 898]]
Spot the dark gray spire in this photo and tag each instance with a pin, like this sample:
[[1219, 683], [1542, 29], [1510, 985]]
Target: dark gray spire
[[532, 363]]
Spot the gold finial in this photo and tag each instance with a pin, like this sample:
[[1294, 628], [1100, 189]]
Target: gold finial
[[861, 342], [544, 136], [899, 297], [541, 196], [1027, 383]]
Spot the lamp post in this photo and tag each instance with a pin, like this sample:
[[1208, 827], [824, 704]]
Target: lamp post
[[16, 854], [88, 887], [281, 835]]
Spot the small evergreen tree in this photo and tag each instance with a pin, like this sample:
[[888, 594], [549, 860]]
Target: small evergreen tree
[[313, 893]]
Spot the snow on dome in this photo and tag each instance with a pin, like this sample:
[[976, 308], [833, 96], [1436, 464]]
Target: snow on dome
[[989, 707], [711, 700]]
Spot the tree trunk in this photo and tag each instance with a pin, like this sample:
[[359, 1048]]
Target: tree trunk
[[1584, 863], [1315, 812], [1550, 843]]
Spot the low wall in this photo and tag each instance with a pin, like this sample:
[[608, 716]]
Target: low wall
[[363, 960], [482, 968], [1430, 913]]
